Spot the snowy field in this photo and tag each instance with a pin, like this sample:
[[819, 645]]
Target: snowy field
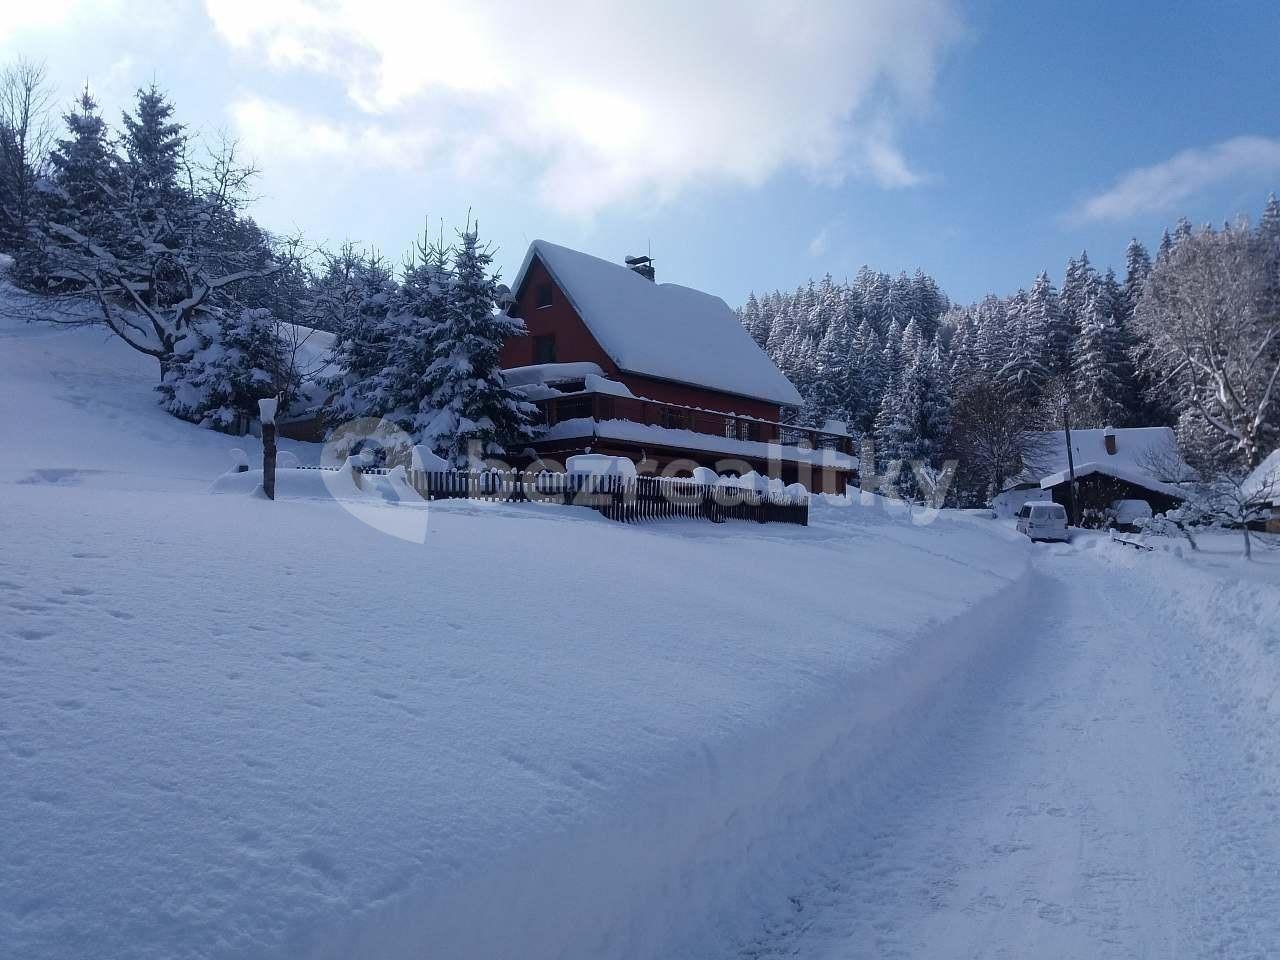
[[231, 728]]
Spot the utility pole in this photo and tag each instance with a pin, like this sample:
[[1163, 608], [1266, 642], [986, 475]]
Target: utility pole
[[1071, 463], [267, 412]]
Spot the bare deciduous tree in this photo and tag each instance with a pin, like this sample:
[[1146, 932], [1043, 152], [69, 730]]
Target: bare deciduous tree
[[151, 290], [994, 435], [1212, 325], [26, 135]]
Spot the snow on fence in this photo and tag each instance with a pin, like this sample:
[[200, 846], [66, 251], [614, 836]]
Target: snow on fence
[[626, 499]]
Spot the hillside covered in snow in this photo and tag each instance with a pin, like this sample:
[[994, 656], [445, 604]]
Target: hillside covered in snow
[[238, 728]]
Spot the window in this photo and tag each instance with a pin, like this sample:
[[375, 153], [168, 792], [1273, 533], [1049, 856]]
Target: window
[[544, 349], [744, 429], [543, 294]]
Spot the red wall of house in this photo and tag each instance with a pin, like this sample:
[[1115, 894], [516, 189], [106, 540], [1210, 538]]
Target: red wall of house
[[575, 343]]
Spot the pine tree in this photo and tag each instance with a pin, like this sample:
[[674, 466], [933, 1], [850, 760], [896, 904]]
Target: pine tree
[[892, 426], [754, 320], [468, 406], [1023, 376], [1101, 390], [1269, 225], [1076, 284], [992, 342], [1137, 269], [241, 360], [870, 378], [891, 357], [911, 341], [81, 183], [154, 145], [832, 390], [83, 169], [358, 296], [1049, 324]]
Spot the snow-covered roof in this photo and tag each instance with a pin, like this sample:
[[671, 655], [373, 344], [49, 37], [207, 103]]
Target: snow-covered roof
[[1265, 479], [1138, 450], [662, 329], [1121, 471]]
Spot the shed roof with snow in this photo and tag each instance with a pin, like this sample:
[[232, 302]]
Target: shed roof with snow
[[1264, 481], [1150, 453], [661, 330]]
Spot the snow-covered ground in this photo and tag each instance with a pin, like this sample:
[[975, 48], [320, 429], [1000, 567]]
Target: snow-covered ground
[[1106, 784], [236, 728]]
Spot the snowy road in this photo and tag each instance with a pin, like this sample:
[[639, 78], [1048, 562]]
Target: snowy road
[[1085, 798]]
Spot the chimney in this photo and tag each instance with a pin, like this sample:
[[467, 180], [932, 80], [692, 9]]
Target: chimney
[[1109, 440], [642, 266]]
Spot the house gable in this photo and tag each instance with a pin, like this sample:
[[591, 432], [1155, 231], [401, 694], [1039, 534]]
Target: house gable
[[664, 333], [573, 342]]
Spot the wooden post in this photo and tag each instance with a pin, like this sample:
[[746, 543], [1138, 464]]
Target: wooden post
[[1073, 516], [267, 411]]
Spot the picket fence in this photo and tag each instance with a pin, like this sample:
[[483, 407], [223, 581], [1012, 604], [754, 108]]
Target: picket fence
[[626, 499]]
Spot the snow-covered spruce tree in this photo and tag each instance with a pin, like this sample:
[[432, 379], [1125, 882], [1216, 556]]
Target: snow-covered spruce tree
[[83, 178], [1137, 267], [755, 320], [1046, 317], [358, 297], [868, 378], [1023, 375], [921, 411], [239, 363], [469, 408], [833, 383], [154, 145], [993, 334], [892, 426], [399, 390], [1100, 391], [1076, 284]]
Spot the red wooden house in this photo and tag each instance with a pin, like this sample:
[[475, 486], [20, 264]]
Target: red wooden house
[[656, 372]]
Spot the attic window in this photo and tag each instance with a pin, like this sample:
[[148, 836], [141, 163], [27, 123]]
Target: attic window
[[544, 348], [542, 293]]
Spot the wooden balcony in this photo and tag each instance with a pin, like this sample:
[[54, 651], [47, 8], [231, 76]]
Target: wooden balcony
[[604, 406]]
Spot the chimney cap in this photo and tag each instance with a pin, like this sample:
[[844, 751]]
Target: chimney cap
[[635, 261]]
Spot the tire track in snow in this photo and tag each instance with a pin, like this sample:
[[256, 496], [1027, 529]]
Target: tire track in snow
[[1083, 800]]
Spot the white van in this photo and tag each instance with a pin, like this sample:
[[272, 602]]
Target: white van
[[1043, 520]]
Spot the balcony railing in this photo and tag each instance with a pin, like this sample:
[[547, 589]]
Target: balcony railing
[[604, 406]]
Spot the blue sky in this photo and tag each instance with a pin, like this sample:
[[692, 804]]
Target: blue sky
[[750, 144]]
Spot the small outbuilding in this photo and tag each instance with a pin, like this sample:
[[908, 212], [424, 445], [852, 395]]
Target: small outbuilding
[[1098, 485]]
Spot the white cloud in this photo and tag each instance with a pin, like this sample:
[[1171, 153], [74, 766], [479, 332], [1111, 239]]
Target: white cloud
[[611, 102], [276, 130], [1161, 187], [820, 242]]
